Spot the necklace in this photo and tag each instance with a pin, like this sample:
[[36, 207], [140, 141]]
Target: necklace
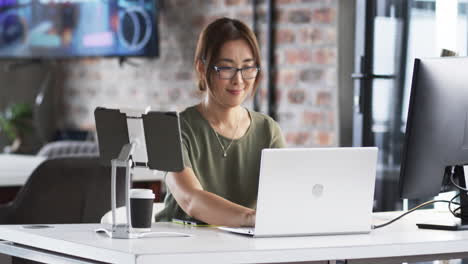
[[225, 150], [232, 140]]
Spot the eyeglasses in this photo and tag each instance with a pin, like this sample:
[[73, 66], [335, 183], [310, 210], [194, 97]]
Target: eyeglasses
[[227, 73]]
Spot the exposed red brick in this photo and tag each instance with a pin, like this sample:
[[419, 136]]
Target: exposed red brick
[[330, 35], [305, 60], [331, 119], [324, 15], [312, 35], [299, 16], [323, 98], [296, 96], [233, 2], [278, 57], [183, 76], [261, 38], [286, 116], [324, 138], [324, 56], [297, 138], [311, 75], [262, 94], [198, 21], [279, 95], [286, 77], [286, 2], [313, 118], [209, 19], [89, 61], [285, 36], [280, 16], [261, 15], [298, 56], [244, 15]]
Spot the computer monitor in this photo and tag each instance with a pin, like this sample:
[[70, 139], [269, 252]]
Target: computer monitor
[[436, 140]]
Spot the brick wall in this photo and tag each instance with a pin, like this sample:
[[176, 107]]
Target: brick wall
[[305, 76]]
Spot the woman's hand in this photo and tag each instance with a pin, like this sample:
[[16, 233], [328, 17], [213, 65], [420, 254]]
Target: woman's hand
[[206, 206], [250, 219]]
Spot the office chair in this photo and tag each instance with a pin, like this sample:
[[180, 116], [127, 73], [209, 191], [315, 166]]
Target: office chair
[[61, 191], [69, 148]]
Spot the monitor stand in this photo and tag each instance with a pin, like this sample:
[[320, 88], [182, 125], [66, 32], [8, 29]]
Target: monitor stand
[[452, 223]]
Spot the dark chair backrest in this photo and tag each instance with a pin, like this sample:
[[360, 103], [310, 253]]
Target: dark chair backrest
[[66, 190], [69, 148]]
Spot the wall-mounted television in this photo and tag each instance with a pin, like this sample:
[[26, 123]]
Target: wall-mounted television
[[78, 28]]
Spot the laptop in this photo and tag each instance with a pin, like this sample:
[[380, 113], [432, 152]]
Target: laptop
[[314, 191]]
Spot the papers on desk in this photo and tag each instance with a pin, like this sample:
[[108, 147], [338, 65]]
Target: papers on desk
[[15, 169], [144, 234]]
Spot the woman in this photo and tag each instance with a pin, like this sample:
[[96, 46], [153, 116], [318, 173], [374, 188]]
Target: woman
[[222, 141]]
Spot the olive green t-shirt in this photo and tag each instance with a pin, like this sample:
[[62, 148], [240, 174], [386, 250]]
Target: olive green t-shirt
[[234, 177]]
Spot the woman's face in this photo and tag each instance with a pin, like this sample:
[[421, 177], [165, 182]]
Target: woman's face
[[232, 92]]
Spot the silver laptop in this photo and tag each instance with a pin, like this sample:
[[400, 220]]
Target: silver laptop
[[314, 191]]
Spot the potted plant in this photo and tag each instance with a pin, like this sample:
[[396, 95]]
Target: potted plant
[[15, 123]]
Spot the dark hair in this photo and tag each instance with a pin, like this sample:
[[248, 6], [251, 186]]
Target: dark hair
[[212, 39]]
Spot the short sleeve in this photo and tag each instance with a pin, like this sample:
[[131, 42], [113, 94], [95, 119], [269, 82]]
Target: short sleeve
[[186, 151], [277, 138]]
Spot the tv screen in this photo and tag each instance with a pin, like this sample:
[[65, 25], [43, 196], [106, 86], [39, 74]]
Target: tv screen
[[76, 28]]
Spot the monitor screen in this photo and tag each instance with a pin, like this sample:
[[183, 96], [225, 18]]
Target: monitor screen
[[436, 140], [437, 130], [77, 28]]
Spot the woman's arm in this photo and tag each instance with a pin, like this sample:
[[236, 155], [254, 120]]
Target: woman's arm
[[206, 206]]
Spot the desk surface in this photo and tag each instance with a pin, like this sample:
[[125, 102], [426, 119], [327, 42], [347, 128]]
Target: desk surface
[[209, 245]]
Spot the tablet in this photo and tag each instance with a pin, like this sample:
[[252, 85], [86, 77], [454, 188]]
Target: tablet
[[112, 133], [163, 141], [157, 135]]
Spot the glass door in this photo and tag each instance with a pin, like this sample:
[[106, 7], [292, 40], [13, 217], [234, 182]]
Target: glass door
[[390, 34], [380, 44]]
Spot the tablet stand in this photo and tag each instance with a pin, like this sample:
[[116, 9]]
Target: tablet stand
[[123, 160], [126, 159]]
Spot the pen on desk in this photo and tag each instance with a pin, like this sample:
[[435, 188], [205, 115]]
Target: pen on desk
[[189, 222], [177, 221]]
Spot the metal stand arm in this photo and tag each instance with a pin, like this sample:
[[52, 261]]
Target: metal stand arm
[[124, 160]]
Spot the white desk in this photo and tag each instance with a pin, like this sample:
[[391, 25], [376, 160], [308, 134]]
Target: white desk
[[79, 244]]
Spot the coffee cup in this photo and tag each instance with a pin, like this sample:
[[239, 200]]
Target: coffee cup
[[141, 206]]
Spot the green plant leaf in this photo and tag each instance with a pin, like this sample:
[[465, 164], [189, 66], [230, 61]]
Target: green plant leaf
[[16, 120]]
